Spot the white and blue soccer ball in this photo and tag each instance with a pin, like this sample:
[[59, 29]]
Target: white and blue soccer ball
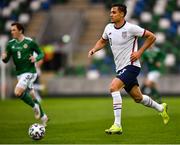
[[36, 131]]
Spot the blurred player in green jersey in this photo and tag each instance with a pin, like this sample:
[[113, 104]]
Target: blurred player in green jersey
[[21, 49], [154, 59], [38, 87]]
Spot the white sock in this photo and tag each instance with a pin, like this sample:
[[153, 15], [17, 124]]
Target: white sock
[[117, 106], [147, 101]]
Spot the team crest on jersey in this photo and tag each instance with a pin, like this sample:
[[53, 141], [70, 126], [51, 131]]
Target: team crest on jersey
[[25, 46], [124, 34]]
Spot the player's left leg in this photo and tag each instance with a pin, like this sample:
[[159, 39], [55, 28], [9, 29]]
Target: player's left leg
[[136, 94], [22, 92], [36, 101], [43, 116]]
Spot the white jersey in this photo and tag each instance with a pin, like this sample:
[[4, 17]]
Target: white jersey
[[123, 42]]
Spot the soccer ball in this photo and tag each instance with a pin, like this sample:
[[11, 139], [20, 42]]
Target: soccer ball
[[36, 131]]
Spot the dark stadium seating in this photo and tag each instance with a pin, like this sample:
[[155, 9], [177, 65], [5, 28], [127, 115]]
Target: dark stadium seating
[[159, 16]]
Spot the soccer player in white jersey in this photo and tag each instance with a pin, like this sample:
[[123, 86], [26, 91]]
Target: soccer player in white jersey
[[122, 37]]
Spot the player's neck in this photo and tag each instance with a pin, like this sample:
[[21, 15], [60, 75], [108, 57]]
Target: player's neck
[[20, 38], [119, 24]]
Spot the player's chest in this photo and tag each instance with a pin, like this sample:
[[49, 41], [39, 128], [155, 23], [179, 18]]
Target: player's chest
[[23, 47], [119, 37]]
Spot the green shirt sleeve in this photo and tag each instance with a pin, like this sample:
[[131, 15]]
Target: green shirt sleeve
[[40, 54], [8, 52]]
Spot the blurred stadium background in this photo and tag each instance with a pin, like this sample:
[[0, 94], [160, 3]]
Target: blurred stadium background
[[67, 29]]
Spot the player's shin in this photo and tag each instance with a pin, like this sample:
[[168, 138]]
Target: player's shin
[[40, 107], [147, 101], [117, 106], [27, 99]]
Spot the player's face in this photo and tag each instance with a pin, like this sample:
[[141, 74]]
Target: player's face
[[15, 32], [116, 15]]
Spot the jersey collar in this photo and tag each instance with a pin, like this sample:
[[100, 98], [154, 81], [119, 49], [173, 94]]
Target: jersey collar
[[20, 40], [121, 26]]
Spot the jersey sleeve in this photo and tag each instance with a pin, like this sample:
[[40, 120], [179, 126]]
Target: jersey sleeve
[[104, 35], [137, 30], [38, 50], [8, 52]]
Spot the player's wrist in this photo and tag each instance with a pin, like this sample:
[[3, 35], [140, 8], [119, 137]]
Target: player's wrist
[[93, 50]]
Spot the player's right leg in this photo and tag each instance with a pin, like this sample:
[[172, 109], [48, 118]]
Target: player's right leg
[[115, 87]]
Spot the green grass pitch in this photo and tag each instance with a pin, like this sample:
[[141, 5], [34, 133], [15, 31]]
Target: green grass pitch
[[83, 121]]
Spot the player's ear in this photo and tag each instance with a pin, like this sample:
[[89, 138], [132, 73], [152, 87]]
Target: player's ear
[[122, 14]]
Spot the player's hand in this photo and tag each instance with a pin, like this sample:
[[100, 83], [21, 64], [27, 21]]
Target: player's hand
[[135, 56], [32, 59], [3, 55], [90, 53], [158, 64]]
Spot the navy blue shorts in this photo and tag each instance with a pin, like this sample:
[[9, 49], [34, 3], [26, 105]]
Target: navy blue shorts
[[129, 76]]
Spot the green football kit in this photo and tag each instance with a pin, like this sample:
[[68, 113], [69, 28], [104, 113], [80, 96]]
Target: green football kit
[[20, 52]]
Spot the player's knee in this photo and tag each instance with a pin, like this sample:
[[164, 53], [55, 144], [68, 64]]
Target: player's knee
[[113, 88], [17, 93]]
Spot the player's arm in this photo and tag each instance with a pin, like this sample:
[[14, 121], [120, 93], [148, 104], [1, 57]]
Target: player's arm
[[40, 54], [6, 55], [98, 46], [149, 40]]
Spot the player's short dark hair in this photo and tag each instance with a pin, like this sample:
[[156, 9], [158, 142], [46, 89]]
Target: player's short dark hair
[[121, 7], [19, 26]]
